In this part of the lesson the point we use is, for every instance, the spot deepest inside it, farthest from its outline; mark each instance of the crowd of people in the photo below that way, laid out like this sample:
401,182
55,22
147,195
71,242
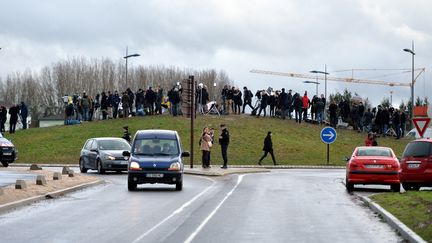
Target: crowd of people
16,113
379,120
112,105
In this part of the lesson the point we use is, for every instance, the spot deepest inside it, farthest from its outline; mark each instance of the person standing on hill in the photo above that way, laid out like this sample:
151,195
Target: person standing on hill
264,103
224,141
3,117
247,99
13,119
268,148
333,114
298,103
24,114
306,104
125,104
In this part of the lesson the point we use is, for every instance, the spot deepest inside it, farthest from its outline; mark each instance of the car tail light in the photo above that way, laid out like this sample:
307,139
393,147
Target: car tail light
353,164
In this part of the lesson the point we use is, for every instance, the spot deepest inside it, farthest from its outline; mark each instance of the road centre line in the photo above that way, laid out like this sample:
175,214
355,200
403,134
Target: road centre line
176,211
195,233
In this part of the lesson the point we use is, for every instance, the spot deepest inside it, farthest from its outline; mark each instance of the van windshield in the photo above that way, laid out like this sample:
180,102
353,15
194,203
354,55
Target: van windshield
156,147
417,149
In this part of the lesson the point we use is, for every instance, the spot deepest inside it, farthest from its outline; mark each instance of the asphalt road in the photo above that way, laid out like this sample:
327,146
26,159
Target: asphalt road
282,206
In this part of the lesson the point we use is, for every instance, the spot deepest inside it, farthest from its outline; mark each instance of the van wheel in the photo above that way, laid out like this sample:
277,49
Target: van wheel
395,187
81,166
132,186
179,186
5,164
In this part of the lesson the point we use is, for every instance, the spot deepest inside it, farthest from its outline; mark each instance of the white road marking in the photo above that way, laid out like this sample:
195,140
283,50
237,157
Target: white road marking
195,233
176,211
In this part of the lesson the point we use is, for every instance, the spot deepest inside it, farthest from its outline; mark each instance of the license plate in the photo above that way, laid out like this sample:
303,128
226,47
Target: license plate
374,166
413,166
154,175
7,153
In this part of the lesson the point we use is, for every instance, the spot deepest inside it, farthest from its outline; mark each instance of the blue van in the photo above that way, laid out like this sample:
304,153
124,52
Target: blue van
155,157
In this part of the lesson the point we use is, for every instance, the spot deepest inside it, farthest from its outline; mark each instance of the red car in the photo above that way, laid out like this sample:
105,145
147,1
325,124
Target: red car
373,165
416,165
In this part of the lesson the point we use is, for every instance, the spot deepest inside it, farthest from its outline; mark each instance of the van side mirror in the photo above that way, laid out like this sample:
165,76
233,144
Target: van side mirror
126,154
185,154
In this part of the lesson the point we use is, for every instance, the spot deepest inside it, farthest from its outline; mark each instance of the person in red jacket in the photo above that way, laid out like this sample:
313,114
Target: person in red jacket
371,139
306,105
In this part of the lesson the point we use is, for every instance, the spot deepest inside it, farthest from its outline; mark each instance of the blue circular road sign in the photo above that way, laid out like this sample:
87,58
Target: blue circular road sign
328,135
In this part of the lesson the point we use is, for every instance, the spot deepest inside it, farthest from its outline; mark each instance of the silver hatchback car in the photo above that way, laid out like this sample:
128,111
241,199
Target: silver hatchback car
103,154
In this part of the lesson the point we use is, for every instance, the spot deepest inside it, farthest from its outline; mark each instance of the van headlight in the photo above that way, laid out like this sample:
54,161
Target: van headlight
134,166
175,166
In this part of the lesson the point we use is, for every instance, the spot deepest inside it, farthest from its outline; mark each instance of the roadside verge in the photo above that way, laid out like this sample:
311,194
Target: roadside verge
395,223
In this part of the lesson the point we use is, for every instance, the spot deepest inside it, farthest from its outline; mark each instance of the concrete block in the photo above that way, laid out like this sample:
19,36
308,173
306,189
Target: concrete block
35,167
65,170
57,176
40,180
71,173
20,184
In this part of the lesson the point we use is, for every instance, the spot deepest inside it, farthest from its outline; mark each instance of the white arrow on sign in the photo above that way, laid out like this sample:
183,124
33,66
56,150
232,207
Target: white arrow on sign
330,135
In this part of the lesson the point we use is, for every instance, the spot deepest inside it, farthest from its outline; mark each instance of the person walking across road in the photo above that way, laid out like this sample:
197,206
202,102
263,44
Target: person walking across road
205,145
126,135
268,148
224,141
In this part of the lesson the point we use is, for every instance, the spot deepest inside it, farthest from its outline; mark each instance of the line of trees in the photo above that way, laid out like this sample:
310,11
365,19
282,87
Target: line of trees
42,91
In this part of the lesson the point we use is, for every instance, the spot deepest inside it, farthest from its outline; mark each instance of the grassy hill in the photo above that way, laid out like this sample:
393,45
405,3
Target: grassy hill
294,144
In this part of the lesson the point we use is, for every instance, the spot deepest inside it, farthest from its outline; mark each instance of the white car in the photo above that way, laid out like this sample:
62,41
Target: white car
413,133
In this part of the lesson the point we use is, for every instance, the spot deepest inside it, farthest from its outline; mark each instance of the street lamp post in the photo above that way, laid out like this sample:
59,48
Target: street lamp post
127,57
412,81
313,82
325,79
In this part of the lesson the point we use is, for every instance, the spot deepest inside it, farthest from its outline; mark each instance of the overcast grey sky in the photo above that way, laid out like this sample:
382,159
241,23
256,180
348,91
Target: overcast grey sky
233,35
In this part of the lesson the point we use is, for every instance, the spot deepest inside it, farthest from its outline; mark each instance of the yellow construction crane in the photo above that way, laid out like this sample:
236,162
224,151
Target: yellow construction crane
348,80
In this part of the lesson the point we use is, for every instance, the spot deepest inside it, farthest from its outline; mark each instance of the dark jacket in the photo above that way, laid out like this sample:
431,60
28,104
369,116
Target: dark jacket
224,137
264,100
268,144
13,112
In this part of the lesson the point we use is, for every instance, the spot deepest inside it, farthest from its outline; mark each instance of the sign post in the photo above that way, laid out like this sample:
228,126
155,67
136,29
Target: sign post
328,136
188,109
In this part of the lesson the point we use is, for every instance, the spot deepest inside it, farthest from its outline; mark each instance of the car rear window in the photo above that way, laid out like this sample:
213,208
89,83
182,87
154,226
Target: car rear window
417,149
374,152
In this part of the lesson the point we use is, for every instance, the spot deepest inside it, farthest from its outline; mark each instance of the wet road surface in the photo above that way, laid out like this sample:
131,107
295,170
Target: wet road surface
281,206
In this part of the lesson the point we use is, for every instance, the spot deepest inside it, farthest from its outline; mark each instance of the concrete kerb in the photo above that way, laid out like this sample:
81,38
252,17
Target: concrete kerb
216,166
13,205
405,232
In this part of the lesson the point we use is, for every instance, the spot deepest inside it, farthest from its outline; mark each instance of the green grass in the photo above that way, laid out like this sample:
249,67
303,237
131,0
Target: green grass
294,144
412,208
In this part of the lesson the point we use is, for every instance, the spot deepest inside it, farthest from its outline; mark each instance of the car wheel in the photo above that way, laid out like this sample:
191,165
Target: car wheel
132,185
99,167
406,186
349,186
179,186
416,188
395,187
5,164
81,166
